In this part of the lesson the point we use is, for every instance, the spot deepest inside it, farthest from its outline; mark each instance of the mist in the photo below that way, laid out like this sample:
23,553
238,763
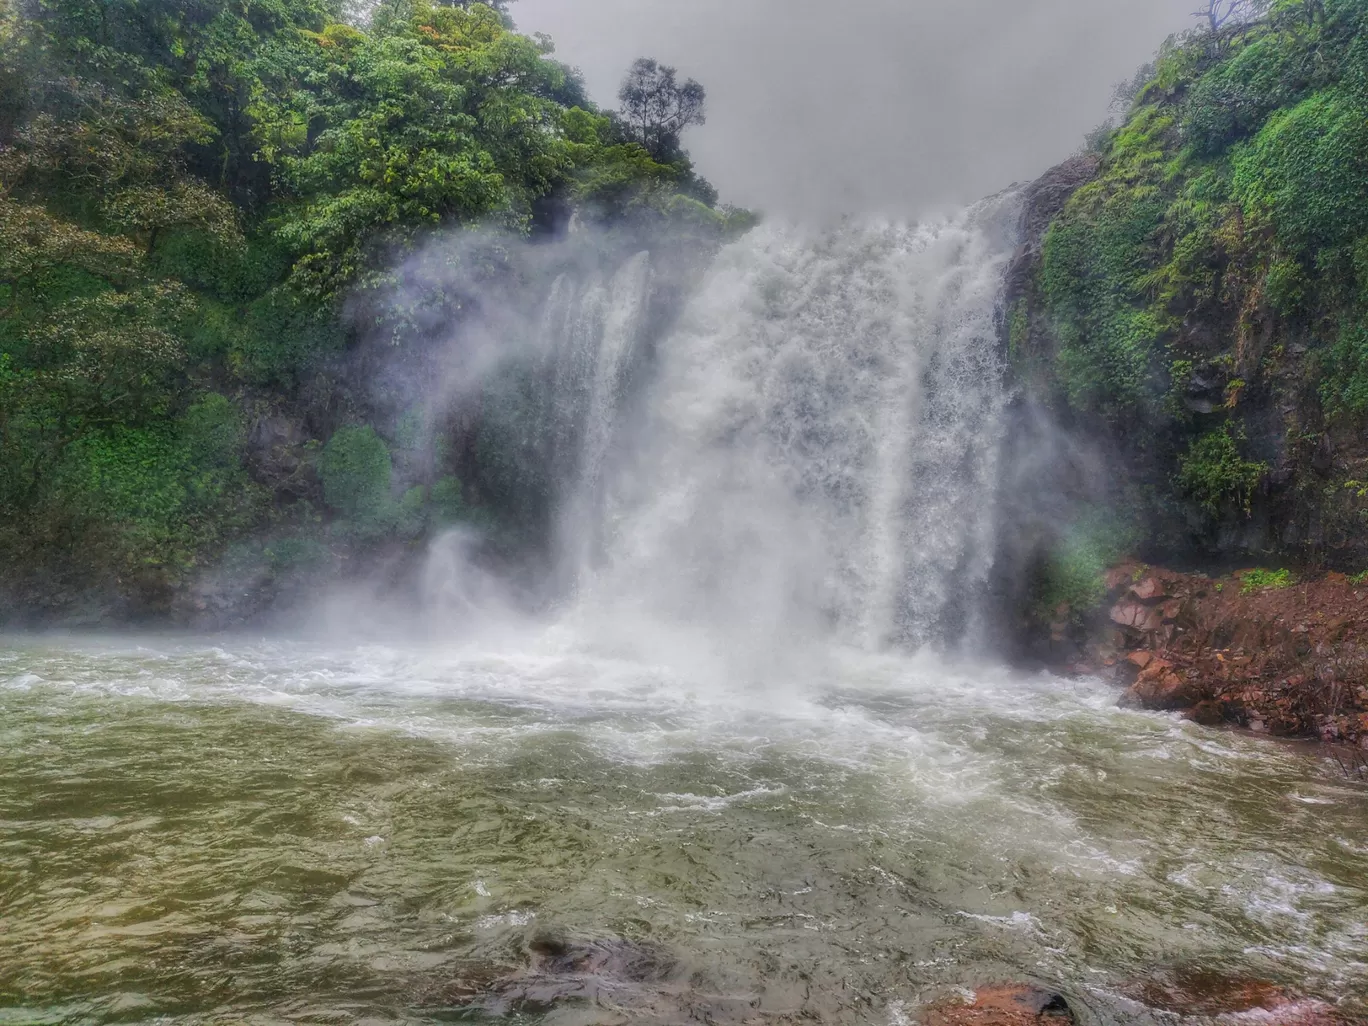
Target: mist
872,106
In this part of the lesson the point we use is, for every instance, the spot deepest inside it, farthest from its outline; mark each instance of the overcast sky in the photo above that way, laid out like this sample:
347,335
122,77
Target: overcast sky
897,106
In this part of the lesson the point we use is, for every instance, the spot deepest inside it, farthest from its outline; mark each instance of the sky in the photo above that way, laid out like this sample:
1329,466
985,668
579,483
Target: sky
871,106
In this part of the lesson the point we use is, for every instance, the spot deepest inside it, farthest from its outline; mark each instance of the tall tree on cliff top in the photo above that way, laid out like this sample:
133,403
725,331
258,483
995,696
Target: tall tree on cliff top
1218,13
656,108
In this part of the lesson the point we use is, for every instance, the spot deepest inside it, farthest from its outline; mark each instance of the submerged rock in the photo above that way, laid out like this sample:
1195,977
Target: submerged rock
610,958
609,971
1203,994
1011,1004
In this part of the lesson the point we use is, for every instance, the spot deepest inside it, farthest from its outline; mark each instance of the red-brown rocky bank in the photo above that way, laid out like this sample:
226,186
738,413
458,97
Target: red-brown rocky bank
1290,660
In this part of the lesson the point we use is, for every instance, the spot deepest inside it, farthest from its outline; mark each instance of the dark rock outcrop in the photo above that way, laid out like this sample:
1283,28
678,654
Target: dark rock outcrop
1042,202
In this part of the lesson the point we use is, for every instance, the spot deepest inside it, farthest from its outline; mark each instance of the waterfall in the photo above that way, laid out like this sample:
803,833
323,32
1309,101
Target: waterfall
802,445
816,447
595,333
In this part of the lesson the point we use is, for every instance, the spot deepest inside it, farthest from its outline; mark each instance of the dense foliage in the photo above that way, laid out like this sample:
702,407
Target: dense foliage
191,194
1203,298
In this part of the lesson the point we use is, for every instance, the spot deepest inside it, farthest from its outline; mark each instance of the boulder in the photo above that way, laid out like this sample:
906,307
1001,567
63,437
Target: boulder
1147,589
1140,659
1208,714
1159,686
1012,1004
1210,995
1137,617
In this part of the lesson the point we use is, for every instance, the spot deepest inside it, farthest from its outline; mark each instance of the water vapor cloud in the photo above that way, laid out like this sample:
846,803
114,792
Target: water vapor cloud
892,106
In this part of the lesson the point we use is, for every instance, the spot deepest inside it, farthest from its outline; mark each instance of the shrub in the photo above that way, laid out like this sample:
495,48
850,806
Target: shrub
448,503
356,471
1018,330
213,432
1344,386
133,475
166,494
1235,98
410,514
228,269
1212,473
289,555
1307,172
281,336
1093,277
1287,286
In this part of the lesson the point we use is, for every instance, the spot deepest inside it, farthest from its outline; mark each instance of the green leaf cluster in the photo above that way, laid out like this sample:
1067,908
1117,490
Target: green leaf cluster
1072,578
1213,473
1259,579
357,470
160,495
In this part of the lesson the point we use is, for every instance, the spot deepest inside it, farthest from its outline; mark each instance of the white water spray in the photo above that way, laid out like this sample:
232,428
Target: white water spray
594,335
817,453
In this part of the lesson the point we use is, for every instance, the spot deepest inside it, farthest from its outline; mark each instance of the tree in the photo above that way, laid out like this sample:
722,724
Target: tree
656,108
1220,13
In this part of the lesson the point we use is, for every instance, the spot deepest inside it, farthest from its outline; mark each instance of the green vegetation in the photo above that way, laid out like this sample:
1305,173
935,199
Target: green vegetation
1264,580
358,477
1212,279
1072,579
1213,474
192,193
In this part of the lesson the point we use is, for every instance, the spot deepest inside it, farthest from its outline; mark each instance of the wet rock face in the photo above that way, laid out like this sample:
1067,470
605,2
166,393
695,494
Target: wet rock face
1042,202
277,456
1012,1004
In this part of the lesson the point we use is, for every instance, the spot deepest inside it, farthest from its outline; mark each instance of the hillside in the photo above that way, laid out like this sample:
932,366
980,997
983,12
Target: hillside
1191,300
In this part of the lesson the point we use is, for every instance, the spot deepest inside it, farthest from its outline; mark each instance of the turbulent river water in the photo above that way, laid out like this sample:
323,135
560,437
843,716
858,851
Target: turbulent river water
729,765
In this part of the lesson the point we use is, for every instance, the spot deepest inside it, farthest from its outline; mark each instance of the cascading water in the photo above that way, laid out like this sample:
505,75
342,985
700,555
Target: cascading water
590,334
818,443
